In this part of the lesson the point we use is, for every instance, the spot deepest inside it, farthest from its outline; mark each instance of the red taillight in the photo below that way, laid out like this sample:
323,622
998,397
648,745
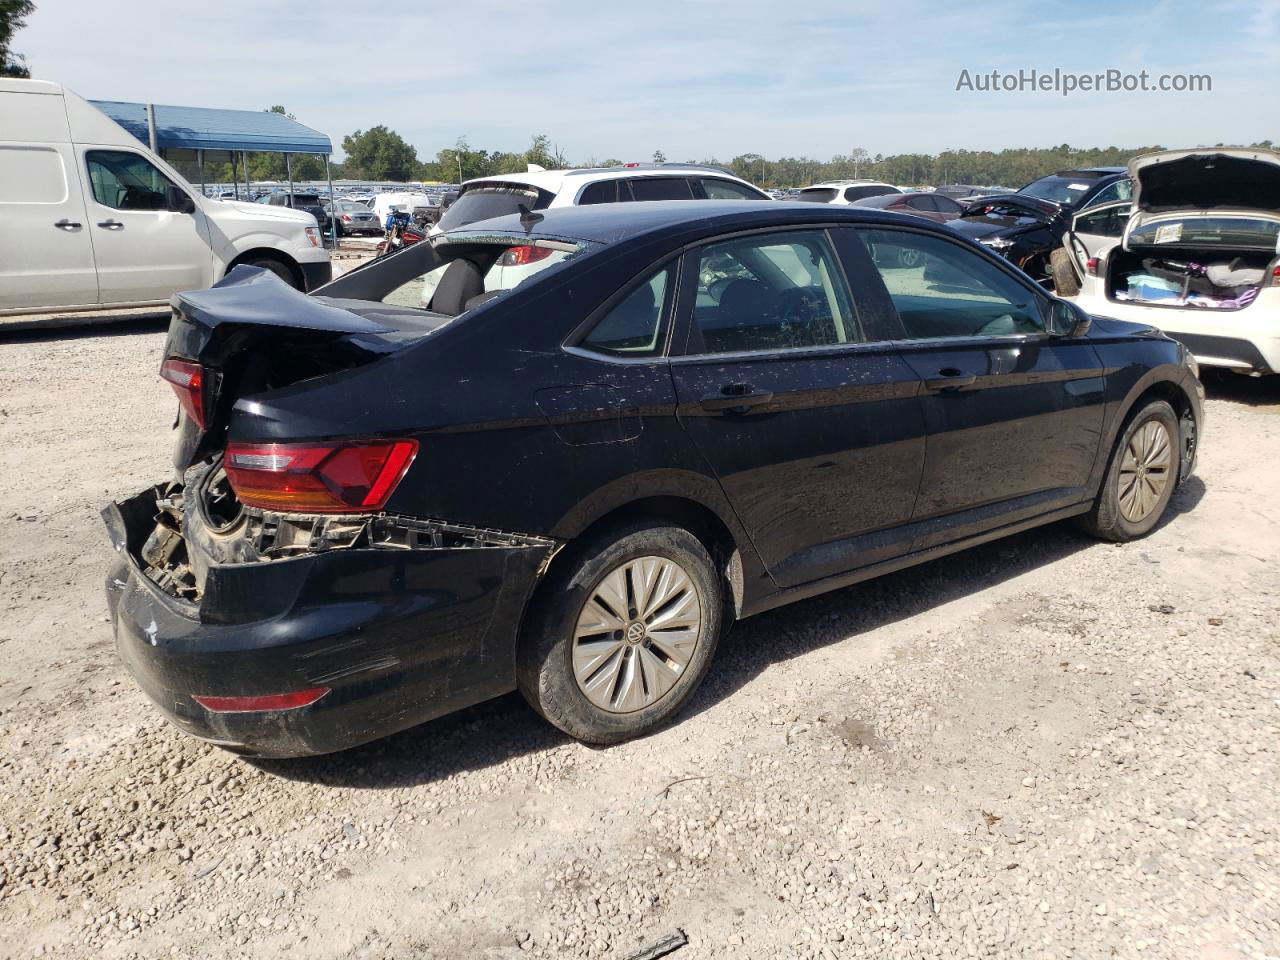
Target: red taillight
273,701
187,380
1091,266
346,217
353,477
519,256
1275,276
632,164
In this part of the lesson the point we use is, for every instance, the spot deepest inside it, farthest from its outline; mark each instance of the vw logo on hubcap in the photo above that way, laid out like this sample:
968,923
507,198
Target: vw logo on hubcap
635,632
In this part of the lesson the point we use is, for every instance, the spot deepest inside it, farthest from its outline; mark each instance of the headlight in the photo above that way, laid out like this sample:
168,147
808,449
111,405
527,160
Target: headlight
997,243
313,234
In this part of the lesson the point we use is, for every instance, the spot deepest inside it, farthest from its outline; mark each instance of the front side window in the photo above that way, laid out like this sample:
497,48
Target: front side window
127,181
728,190
1120,190
774,291
942,289
633,328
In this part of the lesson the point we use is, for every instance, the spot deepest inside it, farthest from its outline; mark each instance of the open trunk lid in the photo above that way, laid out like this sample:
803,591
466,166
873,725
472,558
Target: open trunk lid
252,332
1209,182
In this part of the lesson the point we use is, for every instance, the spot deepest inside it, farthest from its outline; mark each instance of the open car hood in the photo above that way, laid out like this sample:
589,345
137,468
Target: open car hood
1224,178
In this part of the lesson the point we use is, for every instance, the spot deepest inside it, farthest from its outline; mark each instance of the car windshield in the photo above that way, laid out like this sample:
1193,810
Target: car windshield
1066,189
817,194
1245,232
1006,213
491,200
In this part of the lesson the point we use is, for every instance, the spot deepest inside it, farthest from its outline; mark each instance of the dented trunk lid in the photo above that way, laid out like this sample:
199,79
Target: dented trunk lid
253,332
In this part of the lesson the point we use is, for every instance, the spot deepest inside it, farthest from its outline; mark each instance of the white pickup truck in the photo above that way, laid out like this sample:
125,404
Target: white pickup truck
92,219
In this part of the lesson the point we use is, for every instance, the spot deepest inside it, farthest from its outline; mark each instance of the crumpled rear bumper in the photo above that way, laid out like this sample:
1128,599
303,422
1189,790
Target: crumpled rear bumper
399,637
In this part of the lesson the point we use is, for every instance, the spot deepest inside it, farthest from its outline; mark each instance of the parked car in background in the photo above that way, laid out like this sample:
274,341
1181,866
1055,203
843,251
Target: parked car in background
931,206
539,189
571,485
1028,227
403,201
1194,253
353,217
90,218
307,202
842,192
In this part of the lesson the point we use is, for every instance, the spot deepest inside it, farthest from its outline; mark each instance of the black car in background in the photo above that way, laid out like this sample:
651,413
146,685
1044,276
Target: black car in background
310,202
689,414
1028,226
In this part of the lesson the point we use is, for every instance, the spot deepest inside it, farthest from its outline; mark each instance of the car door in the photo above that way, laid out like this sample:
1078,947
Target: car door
46,254
1013,411
144,250
1094,232
809,420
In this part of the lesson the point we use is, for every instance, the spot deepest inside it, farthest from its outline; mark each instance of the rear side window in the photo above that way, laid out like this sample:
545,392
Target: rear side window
661,188
126,181
921,203
633,328
728,190
858,193
31,175
774,291
941,289
818,194
602,191
492,200
1104,223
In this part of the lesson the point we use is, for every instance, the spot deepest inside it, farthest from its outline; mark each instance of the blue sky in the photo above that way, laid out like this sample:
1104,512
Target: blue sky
694,79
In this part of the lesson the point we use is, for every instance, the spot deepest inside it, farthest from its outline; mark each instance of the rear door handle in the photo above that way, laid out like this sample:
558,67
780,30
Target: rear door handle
111,224
65,224
949,379
736,397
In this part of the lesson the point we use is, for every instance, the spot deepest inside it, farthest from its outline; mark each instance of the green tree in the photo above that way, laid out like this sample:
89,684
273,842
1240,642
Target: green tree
13,17
379,154
659,157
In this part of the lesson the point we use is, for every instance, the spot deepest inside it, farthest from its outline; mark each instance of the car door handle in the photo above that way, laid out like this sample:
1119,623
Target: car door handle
111,224
66,224
949,379
736,398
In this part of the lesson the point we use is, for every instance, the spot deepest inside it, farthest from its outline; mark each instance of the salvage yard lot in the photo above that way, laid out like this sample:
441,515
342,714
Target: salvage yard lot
1047,746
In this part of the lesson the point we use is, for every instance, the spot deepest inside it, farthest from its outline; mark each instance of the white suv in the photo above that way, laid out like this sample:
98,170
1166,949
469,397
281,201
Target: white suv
539,188
845,192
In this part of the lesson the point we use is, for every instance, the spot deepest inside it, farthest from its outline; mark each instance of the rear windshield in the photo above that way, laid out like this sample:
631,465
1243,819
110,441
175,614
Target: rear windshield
308,198
1244,232
880,200
818,194
872,190
491,200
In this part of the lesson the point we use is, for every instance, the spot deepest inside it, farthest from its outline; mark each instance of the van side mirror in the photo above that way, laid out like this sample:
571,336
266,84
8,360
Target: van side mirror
179,201
1068,320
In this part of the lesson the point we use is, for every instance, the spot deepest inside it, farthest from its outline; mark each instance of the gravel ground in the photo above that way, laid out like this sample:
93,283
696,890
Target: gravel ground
1046,747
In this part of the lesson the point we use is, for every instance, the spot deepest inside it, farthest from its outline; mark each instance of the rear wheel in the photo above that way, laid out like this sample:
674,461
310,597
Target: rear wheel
623,635
1065,283
281,270
1141,477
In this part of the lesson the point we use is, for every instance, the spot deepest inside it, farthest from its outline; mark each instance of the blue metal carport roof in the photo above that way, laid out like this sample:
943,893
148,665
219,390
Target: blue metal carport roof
207,128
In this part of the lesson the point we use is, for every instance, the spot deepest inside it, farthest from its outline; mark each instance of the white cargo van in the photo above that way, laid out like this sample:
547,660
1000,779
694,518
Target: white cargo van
90,218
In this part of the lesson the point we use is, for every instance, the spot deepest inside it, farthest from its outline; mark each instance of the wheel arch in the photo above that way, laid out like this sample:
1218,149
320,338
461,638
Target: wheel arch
1170,384
270,253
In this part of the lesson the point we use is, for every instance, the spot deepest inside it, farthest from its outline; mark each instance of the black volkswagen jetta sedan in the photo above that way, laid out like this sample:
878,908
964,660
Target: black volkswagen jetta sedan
611,431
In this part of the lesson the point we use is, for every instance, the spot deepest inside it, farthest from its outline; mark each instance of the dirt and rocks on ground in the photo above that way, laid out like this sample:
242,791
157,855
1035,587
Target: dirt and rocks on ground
1046,747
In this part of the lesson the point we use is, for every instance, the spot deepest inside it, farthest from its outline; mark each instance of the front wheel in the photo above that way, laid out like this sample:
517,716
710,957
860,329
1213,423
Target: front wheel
1141,477
281,270
623,634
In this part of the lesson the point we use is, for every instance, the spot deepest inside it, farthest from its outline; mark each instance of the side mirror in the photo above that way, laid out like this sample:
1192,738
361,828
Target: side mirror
179,201
1068,320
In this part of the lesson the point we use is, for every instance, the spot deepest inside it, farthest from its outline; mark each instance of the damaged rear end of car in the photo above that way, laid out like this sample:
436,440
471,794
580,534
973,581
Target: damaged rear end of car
276,596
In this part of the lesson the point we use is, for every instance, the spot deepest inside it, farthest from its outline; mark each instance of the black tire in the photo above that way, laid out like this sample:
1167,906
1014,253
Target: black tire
1065,283
281,270
1106,520
544,665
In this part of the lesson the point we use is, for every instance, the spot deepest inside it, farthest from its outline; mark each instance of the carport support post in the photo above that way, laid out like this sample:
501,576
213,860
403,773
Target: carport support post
288,172
235,177
200,163
333,203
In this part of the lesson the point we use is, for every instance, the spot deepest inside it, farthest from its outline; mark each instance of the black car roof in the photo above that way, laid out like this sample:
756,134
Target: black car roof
610,222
